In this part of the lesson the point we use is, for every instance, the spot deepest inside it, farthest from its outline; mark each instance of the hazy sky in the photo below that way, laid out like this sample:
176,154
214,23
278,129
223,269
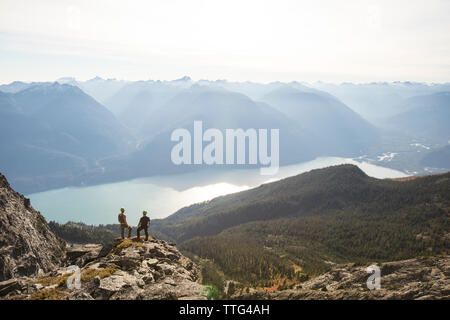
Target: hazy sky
328,40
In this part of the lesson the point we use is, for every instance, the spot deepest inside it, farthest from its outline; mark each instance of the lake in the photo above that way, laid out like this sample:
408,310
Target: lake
163,195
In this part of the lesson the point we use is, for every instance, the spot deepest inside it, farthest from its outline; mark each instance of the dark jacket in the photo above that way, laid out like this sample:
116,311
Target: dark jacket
144,222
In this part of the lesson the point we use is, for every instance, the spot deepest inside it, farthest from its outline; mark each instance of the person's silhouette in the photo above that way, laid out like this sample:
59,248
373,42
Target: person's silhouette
123,223
144,223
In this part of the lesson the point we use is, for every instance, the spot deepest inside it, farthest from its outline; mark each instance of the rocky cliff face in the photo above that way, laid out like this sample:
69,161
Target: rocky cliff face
27,246
421,278
129,269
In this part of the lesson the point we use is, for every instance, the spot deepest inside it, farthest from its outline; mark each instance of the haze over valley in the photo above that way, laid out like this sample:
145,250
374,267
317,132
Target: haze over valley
71,133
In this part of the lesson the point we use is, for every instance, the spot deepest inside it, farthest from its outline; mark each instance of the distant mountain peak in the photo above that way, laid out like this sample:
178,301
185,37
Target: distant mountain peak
47,87
185,78
96,78
63,80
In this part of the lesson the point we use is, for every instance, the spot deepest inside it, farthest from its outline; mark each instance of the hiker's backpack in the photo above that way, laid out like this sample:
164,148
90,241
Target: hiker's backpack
121,218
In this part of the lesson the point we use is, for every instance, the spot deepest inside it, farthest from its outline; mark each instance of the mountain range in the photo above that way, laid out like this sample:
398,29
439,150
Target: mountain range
378,100
50,133
425,116
89,132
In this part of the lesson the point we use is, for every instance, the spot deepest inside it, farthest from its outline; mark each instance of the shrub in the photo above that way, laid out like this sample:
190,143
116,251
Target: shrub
91,273
50,281
48,294
125,244
212,293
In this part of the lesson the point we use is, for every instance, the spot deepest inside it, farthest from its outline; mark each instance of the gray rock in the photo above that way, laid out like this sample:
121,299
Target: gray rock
80,255
9,286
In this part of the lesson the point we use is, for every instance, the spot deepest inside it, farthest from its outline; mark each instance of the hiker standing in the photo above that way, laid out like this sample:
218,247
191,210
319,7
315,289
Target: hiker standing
144,223
123,223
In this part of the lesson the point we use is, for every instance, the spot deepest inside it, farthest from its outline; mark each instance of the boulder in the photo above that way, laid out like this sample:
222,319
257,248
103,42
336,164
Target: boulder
80,255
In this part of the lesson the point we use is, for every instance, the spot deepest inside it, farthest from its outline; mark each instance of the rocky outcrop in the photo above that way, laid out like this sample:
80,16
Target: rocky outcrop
27,246
131,269
35,264
421,278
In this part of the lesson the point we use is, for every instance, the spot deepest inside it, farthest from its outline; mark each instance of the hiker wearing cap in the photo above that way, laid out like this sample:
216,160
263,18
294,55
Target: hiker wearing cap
123,223
144,223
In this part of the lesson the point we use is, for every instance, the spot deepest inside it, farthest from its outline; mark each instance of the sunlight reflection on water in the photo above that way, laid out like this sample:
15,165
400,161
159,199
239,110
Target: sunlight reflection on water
163,195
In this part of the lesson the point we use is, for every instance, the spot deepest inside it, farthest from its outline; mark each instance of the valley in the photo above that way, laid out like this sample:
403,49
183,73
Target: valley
314,220
348,191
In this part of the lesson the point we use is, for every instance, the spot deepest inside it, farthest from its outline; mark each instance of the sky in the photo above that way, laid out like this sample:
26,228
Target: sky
237,40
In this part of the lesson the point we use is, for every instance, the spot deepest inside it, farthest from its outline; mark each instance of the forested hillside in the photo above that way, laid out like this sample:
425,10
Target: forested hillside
300,226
